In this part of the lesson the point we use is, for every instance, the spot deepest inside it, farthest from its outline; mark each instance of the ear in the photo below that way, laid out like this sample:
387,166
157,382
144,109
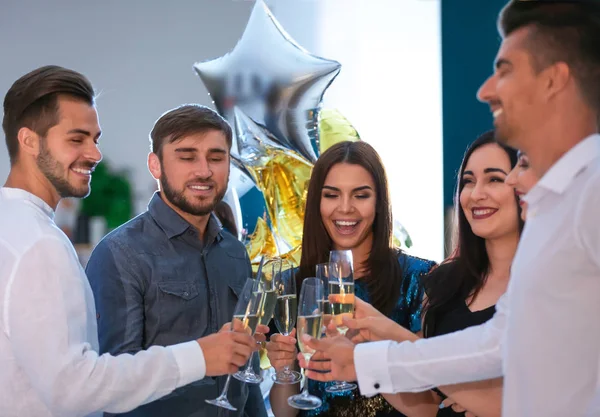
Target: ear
557,78
29,141
154,165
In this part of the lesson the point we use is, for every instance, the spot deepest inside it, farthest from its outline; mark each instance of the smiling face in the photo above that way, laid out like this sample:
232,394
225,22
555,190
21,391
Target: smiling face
193,171
69,152
488,203
522,179
347,205
514,92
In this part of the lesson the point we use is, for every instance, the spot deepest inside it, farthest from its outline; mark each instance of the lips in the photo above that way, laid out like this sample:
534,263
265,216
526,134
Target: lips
83,171
201,188
480,213
346,227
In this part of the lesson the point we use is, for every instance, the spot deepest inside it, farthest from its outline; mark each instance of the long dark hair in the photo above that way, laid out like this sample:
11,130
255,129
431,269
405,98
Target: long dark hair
464,273
384,272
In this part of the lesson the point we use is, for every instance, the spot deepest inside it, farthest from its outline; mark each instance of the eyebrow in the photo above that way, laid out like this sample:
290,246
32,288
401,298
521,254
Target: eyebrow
212,150
361,188
84,132
486,171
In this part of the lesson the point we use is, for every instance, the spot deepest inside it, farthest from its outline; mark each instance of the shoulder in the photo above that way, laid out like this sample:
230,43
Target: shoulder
414,265
24,227
133,234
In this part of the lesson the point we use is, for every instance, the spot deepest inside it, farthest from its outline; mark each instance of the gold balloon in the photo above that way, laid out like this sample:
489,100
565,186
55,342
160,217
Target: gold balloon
293,256
334,128
283,181
261,242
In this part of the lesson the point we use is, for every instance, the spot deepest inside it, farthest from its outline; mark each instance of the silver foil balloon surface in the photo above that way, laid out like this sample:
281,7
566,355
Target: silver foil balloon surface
273,80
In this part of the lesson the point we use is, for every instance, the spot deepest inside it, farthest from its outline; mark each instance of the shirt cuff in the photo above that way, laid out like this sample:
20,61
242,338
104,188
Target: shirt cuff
190,362
372,368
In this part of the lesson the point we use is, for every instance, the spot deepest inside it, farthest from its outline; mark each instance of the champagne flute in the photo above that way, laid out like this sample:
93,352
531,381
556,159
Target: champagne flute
267,299
247,311
310,320
341,299
322,271
285,318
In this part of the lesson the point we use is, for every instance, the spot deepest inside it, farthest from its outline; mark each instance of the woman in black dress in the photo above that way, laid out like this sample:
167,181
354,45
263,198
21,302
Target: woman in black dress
463,291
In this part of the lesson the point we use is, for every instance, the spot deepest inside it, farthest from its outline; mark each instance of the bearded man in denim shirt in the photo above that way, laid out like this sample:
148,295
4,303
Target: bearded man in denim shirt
171,274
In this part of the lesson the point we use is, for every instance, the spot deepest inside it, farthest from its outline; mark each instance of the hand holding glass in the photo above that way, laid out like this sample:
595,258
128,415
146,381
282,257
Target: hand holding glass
247,311
310,319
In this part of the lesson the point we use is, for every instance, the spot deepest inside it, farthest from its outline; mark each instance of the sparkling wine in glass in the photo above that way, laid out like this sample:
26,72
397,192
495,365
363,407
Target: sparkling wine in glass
322,272
286,311
266,298
341,299
247,311
310,322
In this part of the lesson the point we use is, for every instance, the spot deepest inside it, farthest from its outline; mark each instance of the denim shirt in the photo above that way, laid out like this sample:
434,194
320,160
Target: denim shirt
156,283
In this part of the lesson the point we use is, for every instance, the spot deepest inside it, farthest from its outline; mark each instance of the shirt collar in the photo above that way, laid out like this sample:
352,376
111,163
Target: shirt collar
175,225
7,193
565,170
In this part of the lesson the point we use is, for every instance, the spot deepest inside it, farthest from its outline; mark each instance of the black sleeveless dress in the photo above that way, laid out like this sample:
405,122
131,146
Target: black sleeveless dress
458,317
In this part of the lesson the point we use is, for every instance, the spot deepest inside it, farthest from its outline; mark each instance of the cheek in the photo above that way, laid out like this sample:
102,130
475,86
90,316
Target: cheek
463,199
367,210
326,208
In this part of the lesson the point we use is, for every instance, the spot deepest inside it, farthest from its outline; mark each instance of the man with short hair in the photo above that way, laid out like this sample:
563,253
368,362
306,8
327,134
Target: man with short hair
545,336
172,273
48,339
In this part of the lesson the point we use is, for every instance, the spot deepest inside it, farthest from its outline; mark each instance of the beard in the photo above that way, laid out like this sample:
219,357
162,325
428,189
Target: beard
56,173
196,207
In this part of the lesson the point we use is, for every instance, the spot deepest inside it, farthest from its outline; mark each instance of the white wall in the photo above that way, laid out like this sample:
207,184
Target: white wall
390,89
139,55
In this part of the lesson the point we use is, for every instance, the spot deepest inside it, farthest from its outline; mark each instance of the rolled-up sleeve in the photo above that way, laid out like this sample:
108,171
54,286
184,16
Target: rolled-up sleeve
52,345
469,355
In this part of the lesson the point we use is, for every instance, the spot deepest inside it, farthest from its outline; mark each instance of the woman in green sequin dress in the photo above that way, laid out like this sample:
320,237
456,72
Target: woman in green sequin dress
348,207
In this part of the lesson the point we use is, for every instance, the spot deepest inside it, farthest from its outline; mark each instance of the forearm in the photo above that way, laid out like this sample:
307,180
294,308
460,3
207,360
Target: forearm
422,404
468,355
482,398
50,341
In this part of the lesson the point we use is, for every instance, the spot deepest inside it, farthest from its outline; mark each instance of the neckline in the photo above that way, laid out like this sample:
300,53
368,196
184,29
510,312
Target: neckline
477,311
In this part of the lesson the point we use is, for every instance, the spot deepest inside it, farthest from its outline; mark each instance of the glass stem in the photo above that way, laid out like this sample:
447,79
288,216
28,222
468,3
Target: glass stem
249,366
305,389
223,395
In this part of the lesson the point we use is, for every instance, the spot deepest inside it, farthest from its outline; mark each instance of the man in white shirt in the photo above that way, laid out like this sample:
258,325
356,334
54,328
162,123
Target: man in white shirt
48,343
545,336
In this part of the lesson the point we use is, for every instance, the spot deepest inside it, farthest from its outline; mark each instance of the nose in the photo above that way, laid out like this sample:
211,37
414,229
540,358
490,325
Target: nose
486,92
511,178
93,153
479,192
345,204
202,169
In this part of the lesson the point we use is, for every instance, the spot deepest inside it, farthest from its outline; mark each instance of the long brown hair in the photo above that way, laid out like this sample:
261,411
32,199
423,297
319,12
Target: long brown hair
464,274
384,277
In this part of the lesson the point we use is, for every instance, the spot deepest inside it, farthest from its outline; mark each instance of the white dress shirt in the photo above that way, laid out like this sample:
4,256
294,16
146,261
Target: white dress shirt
545,335
49,365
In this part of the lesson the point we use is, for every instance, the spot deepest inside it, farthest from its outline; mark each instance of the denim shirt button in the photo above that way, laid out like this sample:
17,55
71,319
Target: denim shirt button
186,293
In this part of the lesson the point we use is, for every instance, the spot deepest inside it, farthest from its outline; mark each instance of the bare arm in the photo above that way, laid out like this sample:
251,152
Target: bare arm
421,404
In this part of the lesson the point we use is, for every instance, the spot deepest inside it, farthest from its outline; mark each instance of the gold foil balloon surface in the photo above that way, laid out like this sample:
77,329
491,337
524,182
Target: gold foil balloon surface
334,128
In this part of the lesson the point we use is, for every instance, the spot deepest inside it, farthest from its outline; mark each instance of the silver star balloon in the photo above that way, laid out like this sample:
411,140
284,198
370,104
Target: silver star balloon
273,80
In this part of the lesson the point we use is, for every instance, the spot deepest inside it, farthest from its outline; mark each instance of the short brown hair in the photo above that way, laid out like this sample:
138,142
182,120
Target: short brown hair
32,101
561,31
186,120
